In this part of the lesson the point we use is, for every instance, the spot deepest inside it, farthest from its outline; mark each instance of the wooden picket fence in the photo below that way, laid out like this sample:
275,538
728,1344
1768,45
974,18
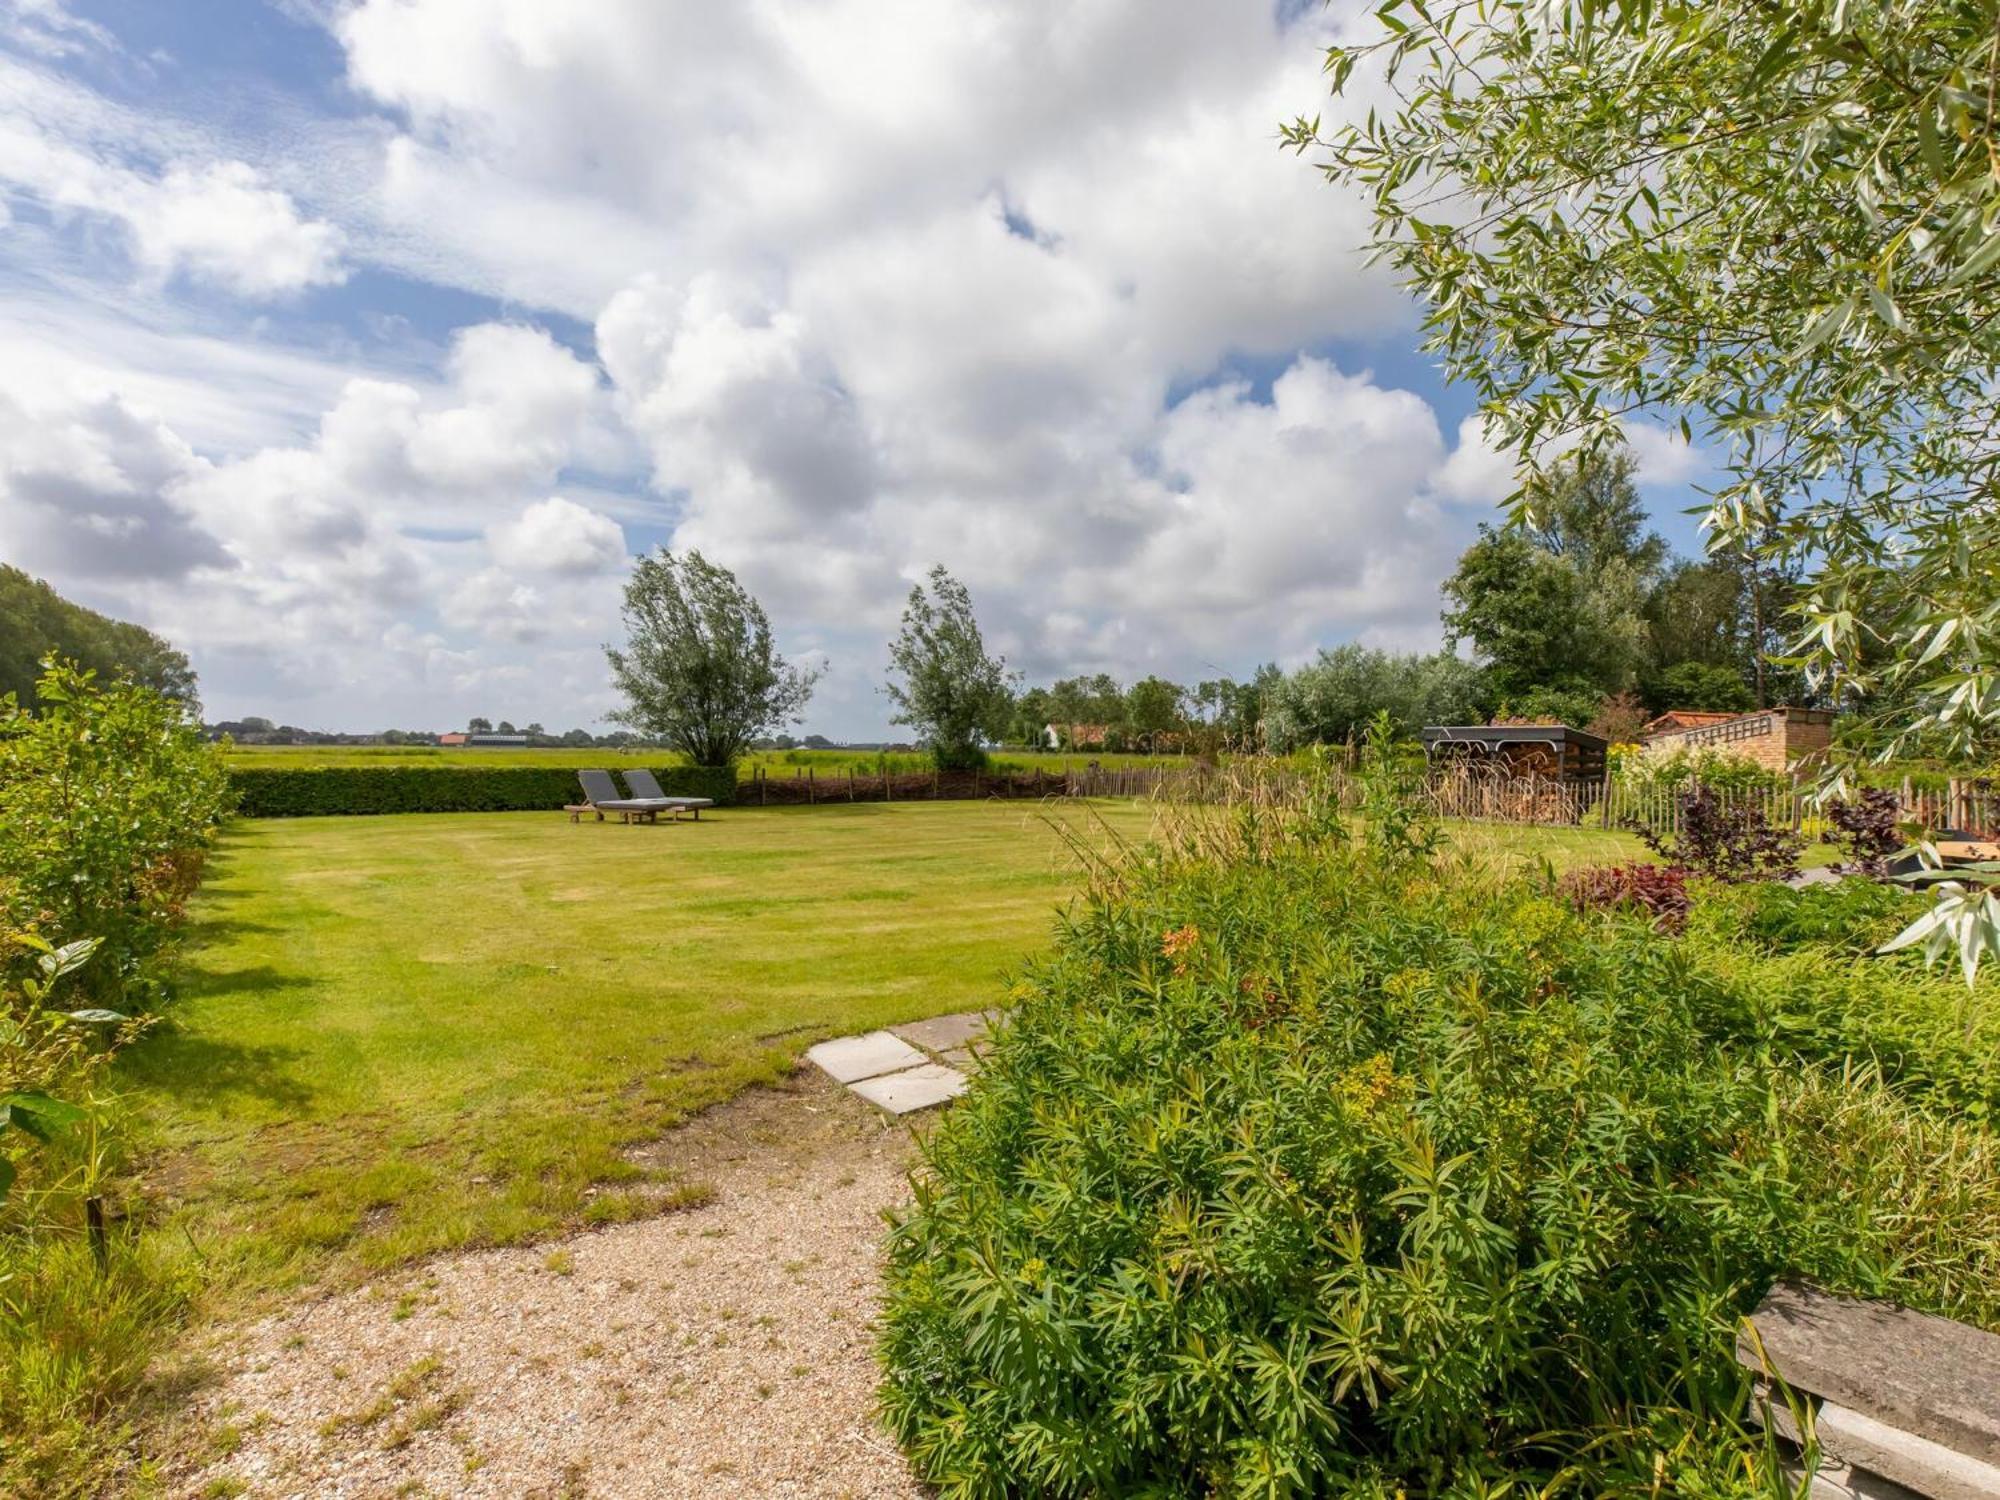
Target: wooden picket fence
1474,795
1965,803
1191,783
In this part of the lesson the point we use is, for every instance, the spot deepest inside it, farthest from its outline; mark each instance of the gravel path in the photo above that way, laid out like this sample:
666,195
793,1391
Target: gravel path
719,1351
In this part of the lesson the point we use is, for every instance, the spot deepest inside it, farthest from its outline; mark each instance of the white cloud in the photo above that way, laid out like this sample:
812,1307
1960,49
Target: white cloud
218,221
558,536
1477,472
1665,458
221,222
873,285
48,27
96,490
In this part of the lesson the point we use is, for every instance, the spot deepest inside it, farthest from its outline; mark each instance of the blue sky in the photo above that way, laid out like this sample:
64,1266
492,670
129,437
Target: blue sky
359,346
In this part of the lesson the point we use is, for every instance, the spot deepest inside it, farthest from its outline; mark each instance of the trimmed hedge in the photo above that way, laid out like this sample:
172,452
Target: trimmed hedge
336,790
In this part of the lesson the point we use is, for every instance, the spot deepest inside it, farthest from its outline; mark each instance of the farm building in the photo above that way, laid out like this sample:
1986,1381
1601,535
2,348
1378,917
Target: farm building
1555,752
1775,738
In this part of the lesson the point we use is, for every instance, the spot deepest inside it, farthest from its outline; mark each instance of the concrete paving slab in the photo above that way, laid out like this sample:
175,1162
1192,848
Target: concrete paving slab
849,1059
962,1058
943,1033
912,1089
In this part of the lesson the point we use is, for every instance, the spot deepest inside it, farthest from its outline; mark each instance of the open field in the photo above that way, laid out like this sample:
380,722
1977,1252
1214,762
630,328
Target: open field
771,762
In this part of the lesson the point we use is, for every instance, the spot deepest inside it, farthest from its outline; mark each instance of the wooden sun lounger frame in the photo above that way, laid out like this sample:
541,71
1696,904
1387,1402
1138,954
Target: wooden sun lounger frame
576,810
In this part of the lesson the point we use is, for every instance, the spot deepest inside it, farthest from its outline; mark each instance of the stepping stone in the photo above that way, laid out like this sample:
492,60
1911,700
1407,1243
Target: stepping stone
962,1058
943,1033
912,1089
849,1059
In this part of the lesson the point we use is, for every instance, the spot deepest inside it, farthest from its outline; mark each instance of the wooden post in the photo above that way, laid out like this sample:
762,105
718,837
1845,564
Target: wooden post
810,795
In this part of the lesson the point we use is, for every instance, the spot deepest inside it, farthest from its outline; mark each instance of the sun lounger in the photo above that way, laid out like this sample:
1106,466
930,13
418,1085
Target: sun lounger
600,794
646,786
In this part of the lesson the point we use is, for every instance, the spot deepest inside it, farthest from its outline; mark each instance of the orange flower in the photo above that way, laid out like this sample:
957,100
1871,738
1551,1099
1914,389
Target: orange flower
1178,943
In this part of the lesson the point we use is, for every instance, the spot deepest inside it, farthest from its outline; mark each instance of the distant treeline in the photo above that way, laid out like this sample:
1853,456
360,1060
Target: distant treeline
36,621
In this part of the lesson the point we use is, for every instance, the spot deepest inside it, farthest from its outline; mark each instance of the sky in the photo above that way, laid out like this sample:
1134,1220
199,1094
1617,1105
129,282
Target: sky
357,346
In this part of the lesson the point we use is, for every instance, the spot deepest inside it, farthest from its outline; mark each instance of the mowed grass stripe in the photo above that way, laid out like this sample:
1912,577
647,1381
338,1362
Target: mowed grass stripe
398,1035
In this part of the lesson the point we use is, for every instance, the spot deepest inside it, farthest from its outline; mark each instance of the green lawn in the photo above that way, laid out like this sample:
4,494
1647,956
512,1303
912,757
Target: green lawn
401,1034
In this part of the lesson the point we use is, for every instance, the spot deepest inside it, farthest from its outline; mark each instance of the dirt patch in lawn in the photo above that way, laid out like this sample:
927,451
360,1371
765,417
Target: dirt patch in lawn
723,1350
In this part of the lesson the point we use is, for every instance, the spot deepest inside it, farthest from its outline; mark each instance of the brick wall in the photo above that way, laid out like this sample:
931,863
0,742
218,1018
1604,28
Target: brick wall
1775,738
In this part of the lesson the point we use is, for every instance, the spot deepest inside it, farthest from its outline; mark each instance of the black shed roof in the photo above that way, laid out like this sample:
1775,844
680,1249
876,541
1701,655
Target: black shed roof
1492,736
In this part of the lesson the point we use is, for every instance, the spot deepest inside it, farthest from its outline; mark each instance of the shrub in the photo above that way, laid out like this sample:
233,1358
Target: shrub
1310,1172
1792,972
1851,917
1725,839
1660,891
108,802
339,790
1867,829
1714,769
47,1052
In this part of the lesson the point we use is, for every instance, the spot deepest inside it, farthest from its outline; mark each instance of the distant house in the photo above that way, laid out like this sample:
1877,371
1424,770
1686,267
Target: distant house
453,738
498,741
1075,736
1775,738
1674,720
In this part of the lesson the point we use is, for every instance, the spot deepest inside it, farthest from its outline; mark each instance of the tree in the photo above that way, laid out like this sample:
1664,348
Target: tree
1557,603
1587,509
1153,708
36,622
1527,613
505,727
1713,686
478,726
1776,226
1334,698
941,680
699,670
1033,712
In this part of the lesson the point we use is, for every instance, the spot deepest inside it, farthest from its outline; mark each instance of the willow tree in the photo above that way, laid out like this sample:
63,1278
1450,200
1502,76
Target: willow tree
942,681
699,670
1772,225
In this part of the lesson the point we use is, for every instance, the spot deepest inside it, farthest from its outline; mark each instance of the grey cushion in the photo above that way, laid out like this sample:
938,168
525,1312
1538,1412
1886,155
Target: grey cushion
645,784
601,791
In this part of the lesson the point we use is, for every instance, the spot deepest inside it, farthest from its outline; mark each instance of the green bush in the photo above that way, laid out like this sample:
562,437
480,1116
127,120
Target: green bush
313,792
1293,1173
109,800
1853,917
1929,1036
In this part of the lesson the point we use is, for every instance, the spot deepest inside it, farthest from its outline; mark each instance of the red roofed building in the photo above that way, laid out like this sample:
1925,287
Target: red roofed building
1776,738
1674,720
